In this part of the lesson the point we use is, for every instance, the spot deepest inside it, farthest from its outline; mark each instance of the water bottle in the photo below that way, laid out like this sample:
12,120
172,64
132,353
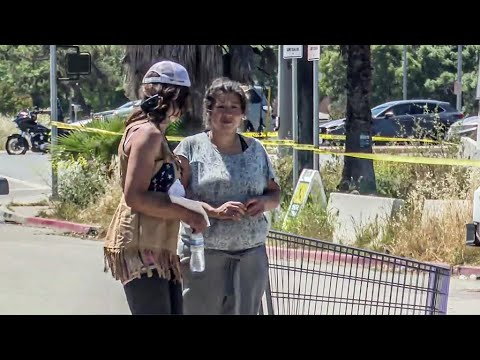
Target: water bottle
197,255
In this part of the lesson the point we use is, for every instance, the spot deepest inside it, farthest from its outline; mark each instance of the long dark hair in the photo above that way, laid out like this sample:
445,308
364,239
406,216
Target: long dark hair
169,96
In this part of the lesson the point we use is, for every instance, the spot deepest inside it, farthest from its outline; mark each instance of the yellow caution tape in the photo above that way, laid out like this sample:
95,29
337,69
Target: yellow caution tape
61,125
343,137
327,151
414,159
273,134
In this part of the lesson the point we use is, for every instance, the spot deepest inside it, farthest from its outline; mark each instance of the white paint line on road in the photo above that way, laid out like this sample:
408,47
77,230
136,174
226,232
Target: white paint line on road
26,189
26,183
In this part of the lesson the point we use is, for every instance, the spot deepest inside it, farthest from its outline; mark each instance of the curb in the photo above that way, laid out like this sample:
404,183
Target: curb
332,257
466,270
288,254
10,217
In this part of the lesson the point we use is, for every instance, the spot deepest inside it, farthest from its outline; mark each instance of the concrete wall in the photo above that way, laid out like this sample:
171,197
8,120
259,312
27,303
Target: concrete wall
468,149
354,212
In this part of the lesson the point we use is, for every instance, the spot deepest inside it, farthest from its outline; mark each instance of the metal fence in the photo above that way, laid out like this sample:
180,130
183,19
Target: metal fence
313,277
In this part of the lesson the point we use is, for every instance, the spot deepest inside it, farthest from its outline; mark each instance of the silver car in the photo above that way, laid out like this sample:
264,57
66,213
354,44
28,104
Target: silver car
466,127
122,111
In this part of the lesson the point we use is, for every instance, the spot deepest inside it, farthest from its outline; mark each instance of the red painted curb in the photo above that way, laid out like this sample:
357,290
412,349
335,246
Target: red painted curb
329,256
60,225
466,270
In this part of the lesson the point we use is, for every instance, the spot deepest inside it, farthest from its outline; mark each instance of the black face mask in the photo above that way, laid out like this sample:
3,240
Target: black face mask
149,105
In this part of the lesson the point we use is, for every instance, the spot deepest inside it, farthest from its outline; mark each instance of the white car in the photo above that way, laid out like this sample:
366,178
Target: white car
124,110
466,127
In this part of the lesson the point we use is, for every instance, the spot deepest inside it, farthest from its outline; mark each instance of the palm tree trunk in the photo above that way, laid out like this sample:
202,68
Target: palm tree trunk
358,173
203,63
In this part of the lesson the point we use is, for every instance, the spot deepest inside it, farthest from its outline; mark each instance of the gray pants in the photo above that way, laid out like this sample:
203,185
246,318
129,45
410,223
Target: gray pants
233,283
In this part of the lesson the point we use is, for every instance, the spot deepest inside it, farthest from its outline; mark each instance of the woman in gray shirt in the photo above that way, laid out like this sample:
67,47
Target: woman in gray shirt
233,177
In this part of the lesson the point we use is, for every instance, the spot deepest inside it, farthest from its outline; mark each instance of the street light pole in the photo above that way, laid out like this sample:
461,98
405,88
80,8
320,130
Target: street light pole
477,97
459,78
295,120
315,115
53,113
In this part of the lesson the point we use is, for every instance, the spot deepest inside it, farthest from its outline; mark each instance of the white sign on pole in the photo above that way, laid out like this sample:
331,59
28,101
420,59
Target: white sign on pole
292,51
309,182
457,88
313,52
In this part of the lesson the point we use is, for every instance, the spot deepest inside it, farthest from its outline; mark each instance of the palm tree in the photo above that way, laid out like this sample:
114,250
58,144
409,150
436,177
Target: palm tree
203,62
358,173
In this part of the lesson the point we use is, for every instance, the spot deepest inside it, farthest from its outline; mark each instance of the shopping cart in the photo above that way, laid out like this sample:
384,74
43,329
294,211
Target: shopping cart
313,277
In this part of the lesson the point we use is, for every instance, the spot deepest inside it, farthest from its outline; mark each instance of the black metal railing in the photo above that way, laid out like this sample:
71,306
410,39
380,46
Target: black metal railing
313,277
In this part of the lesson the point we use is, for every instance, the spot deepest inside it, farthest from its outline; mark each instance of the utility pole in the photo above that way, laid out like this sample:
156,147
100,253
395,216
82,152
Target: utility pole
53,113
295,119
459,78
405,63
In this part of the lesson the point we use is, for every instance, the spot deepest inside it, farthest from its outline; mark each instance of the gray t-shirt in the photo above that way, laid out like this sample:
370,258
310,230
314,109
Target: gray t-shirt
218,178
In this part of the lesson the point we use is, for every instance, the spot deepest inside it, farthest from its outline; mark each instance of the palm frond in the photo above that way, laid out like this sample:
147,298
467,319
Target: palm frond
91,145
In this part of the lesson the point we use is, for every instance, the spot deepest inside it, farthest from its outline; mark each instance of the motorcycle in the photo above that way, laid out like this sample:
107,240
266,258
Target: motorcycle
33,136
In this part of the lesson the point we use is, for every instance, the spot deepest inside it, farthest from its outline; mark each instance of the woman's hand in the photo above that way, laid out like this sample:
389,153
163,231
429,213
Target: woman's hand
195,220
231,210
256,206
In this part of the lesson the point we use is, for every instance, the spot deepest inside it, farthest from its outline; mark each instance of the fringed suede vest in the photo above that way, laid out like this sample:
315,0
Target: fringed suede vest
137,243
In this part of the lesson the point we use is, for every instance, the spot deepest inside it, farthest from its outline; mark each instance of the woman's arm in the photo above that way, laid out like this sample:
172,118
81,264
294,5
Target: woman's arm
271,195
268,201
231,210
145,144
185,170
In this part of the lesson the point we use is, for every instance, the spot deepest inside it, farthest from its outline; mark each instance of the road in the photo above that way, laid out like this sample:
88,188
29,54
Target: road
46,273
29,177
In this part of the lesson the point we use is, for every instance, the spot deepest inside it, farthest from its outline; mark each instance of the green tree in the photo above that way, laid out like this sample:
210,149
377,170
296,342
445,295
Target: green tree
24,77
387,73
25,74
431,72
334,79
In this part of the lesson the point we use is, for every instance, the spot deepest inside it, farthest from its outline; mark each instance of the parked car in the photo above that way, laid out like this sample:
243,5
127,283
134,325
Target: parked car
466,127
405,118
124,110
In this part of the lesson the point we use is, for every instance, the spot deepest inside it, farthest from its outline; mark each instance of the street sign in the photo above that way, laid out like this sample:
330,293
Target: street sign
310,182
292,51
313,52
457,87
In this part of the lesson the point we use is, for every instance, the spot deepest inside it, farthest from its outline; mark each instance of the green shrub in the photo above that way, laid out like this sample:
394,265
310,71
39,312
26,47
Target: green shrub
81,182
